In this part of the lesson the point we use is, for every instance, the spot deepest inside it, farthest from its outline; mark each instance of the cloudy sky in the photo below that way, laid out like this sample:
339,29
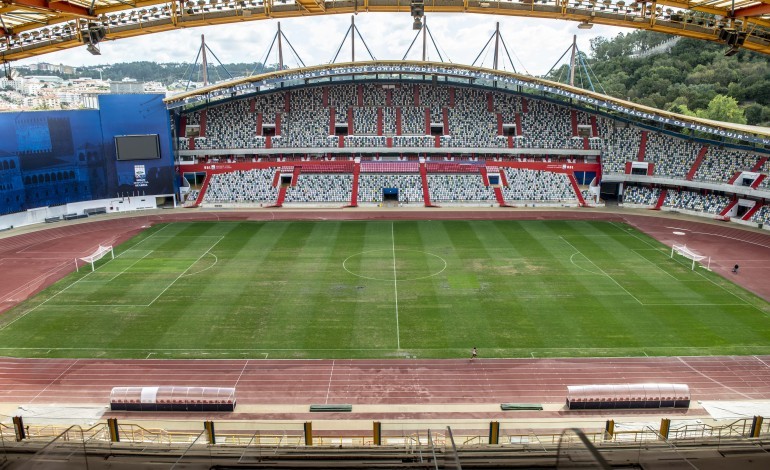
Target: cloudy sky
535,44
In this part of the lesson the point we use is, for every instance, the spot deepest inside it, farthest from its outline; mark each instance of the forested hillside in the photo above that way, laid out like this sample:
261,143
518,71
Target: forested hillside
694,77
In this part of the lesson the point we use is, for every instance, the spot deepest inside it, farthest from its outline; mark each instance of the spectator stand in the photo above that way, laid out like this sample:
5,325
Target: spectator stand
321,184
390,184
457,184
640,196
538,188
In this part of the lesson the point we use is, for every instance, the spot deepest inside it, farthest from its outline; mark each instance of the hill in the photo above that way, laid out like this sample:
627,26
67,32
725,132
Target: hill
694,77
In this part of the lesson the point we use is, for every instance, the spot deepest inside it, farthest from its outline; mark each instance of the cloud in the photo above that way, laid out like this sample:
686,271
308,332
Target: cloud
534,44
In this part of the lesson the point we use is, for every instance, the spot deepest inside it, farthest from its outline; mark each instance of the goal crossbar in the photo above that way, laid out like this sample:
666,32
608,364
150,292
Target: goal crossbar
691,255
100,253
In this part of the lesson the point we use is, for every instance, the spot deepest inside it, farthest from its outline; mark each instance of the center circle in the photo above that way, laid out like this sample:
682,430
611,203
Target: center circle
394,265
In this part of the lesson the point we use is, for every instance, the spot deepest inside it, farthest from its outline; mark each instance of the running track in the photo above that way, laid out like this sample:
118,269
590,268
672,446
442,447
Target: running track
34,260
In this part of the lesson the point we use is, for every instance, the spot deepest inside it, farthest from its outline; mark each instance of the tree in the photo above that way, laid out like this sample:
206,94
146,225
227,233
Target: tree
723,108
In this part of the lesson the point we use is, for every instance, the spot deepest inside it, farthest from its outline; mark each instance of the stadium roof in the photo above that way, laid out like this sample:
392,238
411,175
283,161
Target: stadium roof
34,27
506,81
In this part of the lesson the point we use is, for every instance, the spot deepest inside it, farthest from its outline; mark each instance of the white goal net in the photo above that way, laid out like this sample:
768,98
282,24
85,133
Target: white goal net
100,253
682,250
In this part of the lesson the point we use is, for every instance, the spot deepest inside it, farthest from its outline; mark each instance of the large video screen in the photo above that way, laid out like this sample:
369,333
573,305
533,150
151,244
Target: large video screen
137,147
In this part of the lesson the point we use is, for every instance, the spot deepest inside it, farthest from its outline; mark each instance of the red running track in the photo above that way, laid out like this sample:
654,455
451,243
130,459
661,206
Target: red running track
257,381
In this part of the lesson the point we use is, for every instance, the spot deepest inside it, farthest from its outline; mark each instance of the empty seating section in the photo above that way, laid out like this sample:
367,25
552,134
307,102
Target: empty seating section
230,126
452,167
402,95
620,145
316,187
374,95
193,118
412,121
305,129
547,125
435,98
762,216
389,121
390,167
365,121
643,195
470,124
765,169
693,201
413,141
507,106
458,187
341,97
672,157
307,99
721,164
269,105
366,141
242,186
371,185
534,185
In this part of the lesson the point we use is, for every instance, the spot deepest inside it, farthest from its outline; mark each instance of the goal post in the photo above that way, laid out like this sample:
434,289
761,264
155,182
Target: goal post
100,253
682,250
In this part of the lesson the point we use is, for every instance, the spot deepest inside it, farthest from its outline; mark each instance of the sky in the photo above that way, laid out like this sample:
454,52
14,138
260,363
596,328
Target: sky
535,44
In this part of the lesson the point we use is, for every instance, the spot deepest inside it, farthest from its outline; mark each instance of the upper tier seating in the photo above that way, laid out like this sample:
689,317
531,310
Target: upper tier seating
620,145
365,121
672,157
720,164
374,95
547,125
470,124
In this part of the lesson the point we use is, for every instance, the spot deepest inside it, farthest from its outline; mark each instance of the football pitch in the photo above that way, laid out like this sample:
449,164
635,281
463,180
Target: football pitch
381,289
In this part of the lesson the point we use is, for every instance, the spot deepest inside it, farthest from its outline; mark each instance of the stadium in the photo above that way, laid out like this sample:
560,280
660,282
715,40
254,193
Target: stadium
291,269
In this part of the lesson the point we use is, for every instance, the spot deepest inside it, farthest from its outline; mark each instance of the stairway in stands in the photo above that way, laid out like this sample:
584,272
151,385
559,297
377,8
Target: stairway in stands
281,196
576,188
661,200
354,191
697,163
748,215
642,147
425,189
202,192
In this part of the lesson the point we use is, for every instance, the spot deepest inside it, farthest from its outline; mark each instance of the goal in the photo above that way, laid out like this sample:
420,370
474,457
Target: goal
100,253
691,255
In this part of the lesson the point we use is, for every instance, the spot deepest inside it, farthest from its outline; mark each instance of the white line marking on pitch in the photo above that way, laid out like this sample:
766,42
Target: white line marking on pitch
183,272
395,284
241,374
55,380
329,388
602,271
711,379
745,302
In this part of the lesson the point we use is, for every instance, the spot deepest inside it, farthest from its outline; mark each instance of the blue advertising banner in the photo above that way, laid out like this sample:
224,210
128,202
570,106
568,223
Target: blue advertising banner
51,158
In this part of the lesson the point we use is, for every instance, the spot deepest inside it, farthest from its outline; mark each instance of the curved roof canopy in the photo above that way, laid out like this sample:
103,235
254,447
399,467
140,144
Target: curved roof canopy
34,27
460,74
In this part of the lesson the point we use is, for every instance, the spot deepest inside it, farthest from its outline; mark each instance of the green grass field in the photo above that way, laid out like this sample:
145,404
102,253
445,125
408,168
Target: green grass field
378,289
